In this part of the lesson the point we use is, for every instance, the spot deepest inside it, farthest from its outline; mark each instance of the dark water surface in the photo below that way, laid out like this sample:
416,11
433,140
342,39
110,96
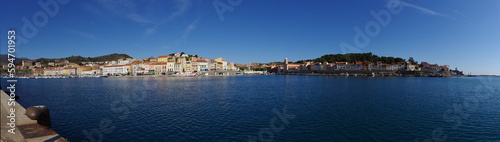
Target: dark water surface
279,108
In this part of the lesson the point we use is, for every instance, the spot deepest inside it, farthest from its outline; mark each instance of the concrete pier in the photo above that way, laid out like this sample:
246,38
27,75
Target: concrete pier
24,128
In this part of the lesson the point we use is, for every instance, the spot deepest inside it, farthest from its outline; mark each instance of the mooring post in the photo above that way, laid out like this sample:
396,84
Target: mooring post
41,115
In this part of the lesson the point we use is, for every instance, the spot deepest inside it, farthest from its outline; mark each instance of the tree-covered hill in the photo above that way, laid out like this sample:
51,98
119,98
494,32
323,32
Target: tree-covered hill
355,57
79,59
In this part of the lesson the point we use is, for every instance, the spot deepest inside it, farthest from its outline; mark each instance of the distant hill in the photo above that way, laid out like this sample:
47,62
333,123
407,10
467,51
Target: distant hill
79,59
351,57
4,57
355,57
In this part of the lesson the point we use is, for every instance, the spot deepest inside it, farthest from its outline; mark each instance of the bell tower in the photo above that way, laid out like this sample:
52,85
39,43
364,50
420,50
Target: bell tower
285,66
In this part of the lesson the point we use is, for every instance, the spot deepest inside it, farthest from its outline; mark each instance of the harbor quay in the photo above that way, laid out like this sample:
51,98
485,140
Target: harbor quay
18,127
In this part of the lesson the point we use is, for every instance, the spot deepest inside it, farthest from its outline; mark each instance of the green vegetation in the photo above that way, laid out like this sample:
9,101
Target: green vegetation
255,69
259,69
354,57
412,61
80,59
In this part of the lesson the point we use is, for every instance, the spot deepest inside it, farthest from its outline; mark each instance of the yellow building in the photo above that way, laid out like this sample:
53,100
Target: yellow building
66,71
220,59
195,66
163,58
158,67
70,71
187,66
80,69
171,59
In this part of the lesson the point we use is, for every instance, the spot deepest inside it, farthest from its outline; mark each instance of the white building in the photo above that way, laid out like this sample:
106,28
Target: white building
203,65
170,66
138,68
116,70
92,72
125,61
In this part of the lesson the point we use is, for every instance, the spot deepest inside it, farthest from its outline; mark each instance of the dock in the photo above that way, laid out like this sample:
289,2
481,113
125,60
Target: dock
25,128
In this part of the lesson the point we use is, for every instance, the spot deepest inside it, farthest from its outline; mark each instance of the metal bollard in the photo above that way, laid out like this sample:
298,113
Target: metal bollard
41,115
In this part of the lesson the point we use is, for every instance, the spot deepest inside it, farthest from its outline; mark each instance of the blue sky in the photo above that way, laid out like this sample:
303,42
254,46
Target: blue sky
461,33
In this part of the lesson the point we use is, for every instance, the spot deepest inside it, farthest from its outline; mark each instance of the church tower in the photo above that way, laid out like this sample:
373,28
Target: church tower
285,66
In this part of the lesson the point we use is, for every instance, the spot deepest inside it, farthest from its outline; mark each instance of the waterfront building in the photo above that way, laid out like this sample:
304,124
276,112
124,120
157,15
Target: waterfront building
302,67
294,68
138,67
164,66
92,72
79,69
195,66
53,71
116,70
177,67
400,65
410,67
434,67
367,65
38,71
210,65
341,65
70,71
170,67
221,64
232,67
187,66
158,67
149,68
358,66
425,65
350,66
87,72
330,67
203,65
316,67
287,66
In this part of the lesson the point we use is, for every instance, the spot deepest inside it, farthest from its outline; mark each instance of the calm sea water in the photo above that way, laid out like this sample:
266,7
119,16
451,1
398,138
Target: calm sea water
279,108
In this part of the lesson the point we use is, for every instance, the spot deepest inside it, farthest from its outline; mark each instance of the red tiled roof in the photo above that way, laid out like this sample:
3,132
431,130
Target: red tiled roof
115,66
